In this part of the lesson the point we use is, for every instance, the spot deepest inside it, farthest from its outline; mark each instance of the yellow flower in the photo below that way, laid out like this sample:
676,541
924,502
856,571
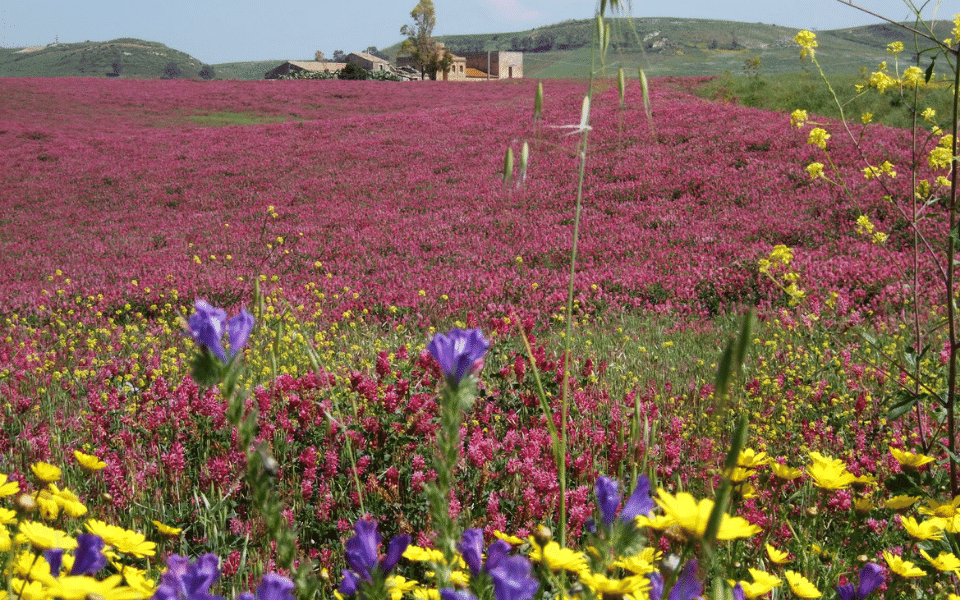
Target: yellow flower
801,586
123,540
945,561
785,472
636,586
137,579
900,502
798,118
763,583
79,587
914,76
829,474
895,47
45,472
866,117
397,586
510,539
8,488
807,41
818,137
739,474
815,170
947,510
863,505
88,462
7,516
901,567
777,557
931,529
42,537
928,114
556,558
67,501
166,529
692,517
656,522
640,564
418,554
750,459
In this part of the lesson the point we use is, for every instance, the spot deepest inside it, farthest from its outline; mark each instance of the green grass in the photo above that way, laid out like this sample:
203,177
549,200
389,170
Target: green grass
807,91
246,70
137,59
225,117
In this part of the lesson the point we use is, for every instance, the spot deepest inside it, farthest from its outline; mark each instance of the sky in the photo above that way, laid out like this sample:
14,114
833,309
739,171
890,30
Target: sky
219,31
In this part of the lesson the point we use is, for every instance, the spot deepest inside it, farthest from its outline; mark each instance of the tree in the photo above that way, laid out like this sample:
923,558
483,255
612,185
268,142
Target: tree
353,71
339,56
420,44
319,56
372,50
207,72
172,71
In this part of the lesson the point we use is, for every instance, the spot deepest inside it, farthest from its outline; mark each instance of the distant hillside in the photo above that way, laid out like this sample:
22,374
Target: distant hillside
124,57
661,46
682,47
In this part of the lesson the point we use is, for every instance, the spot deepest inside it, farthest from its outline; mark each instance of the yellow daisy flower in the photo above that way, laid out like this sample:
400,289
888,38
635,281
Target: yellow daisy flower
801,586
762,584
88,462
636,586
45,472
903,568
8,488
43,538
909,459
510,539
750,459
123,540
79,587
931,529
556,558
166,529
829,474
692,517
777,557
900,502
785,472
945,561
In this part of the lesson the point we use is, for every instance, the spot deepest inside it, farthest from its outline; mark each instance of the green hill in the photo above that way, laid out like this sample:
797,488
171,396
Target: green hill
661,46
683,47
123,57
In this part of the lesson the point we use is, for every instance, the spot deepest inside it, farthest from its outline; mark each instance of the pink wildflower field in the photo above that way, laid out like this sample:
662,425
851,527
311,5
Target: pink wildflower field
382,209
393,190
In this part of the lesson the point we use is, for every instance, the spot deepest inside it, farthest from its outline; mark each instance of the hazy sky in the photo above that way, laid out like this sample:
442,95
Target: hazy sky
217,31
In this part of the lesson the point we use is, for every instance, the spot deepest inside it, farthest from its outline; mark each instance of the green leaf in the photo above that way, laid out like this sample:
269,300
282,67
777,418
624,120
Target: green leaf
929,72
905,400
205,368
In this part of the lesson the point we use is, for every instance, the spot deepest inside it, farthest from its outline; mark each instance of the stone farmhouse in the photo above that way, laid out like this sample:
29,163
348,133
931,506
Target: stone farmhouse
472,66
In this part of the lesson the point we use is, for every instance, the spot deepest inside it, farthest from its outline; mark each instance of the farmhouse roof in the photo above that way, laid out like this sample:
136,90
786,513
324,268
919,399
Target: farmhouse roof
471,72
370,57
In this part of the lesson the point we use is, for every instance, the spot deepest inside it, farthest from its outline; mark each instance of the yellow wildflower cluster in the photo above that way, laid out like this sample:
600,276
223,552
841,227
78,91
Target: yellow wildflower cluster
818,137
880,79
815,170
798,118
866,227
895,47
25,541
807,41
871,172
941,156
782,255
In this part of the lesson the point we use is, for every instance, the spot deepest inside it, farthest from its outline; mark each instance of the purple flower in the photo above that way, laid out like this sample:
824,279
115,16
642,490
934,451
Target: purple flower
871,576
184,580
207,326
363,557
512,580
275,587
54,558
686,588
639,502
471,549
459,353
451,594
88,558
608,497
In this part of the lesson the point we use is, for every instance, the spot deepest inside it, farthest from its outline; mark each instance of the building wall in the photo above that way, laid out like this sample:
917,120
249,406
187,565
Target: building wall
368,62
501,65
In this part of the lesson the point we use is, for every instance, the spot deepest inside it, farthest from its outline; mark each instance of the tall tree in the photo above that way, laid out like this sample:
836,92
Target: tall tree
319,56
420,44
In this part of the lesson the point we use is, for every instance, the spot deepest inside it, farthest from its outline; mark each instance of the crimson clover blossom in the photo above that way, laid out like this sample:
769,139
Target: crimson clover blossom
207,326
459,353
